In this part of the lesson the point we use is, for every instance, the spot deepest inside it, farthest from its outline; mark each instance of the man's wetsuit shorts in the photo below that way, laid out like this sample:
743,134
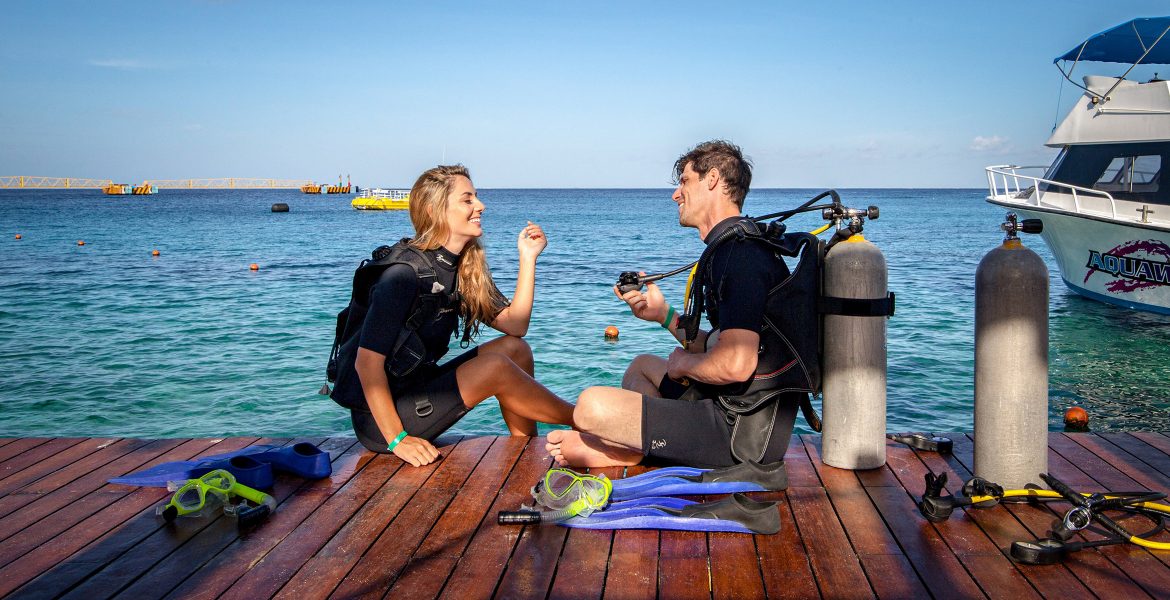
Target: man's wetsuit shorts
439,386
697,433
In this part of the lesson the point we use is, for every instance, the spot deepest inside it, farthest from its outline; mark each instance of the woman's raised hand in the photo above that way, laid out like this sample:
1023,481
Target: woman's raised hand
416,451
531,241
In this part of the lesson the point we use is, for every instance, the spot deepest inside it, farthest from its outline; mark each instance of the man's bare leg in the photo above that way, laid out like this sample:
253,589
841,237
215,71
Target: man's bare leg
610,424
644,374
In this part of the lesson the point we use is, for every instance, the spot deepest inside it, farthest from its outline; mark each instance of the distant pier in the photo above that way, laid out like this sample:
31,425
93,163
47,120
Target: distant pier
221,183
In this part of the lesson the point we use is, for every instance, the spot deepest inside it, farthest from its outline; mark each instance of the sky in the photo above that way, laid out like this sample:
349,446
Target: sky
543,94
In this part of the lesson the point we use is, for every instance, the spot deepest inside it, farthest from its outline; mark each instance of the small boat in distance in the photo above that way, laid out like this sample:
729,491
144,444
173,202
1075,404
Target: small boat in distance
382,199
116,189
339,189
145,189
311,188
1105,200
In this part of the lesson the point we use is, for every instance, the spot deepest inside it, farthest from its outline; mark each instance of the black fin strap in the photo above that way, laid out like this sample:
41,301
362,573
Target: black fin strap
857,307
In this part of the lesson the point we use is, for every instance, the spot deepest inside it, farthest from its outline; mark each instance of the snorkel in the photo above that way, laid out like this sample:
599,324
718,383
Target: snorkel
198,497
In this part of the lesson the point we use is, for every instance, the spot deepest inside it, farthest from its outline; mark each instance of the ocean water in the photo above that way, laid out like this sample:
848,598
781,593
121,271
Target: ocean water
104,339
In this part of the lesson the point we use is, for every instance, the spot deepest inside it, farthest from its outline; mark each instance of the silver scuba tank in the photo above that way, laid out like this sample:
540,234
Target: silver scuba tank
854,356
1011,361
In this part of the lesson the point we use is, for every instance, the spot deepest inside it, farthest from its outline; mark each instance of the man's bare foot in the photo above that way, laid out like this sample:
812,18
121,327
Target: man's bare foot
576,449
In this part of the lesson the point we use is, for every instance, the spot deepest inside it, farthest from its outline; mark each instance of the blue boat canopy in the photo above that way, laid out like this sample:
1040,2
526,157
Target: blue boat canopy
1127,43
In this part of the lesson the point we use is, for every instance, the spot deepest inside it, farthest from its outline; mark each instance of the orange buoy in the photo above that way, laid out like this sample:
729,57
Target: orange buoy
1076,418
154,252
611,333
80,242
18,236
254,267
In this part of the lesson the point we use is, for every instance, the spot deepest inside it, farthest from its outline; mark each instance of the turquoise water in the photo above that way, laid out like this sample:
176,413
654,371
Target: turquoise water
104,339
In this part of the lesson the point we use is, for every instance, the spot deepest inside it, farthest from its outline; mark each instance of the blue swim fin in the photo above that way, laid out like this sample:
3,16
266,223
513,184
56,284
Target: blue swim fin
735,514
682,481
303,460
182,470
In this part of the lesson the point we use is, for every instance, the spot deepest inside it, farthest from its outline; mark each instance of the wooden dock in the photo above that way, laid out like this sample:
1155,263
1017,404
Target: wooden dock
379,529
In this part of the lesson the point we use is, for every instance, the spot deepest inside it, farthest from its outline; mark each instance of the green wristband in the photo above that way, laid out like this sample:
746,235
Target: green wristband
669,318
398,439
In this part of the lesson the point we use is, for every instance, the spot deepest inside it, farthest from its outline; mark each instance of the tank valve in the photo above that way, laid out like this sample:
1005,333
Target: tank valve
1012,225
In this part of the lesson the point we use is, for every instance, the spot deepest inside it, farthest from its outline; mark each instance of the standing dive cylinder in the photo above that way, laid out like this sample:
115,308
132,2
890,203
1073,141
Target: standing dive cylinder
855,302
1011,361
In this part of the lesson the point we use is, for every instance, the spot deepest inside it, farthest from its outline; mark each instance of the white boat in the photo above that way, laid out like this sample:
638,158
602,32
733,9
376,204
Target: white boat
382,199
1105,200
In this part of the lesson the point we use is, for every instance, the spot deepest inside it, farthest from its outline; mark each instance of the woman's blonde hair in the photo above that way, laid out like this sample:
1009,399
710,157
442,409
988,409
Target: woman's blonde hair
480,301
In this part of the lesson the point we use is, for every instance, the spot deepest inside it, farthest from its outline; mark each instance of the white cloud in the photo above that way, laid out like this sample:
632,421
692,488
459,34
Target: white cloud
991,143
124,64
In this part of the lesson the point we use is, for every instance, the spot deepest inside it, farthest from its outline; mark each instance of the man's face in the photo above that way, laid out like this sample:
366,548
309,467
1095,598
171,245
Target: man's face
692,197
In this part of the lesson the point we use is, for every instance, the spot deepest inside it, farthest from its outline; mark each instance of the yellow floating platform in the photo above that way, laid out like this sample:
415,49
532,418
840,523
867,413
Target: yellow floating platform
380,199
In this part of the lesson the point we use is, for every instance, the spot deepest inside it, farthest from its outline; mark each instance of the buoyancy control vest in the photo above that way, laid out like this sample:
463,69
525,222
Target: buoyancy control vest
409,351
789,359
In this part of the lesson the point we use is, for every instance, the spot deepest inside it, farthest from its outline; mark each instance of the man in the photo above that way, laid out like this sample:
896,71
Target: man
671,410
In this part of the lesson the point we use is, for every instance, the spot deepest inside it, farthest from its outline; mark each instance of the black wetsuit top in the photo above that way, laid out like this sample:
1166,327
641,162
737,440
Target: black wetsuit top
390,302
742,272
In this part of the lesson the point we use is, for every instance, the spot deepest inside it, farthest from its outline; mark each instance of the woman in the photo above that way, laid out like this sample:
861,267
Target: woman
401,414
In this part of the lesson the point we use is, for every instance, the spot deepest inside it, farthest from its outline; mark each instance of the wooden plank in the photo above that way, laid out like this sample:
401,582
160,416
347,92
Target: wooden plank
442,548
87,546
1002,528
1146,475
837,568
633,561
784,559
220,534
148,551
1104,474
18,446
682,565
1145,452
51,464
582,568
941,572
1157,440
6,441
889,572
1091,568
233,562
49,494
275,569
33,456
373,547
478,572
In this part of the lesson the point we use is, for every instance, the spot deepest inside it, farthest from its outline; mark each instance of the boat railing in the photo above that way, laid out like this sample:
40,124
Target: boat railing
388,194
1006,181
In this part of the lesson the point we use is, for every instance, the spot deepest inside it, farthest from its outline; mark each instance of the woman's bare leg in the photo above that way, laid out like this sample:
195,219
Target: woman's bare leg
492,374
519,352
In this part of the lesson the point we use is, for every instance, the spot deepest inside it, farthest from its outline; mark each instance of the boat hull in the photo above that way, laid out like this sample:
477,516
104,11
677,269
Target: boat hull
381,203
1125,264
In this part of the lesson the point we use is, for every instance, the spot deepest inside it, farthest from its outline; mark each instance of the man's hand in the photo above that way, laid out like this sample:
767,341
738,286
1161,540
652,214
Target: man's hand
647,305
675,364
531,241
416,451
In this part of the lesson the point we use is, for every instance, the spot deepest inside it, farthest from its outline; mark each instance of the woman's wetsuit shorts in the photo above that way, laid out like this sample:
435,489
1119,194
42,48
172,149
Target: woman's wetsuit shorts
439,386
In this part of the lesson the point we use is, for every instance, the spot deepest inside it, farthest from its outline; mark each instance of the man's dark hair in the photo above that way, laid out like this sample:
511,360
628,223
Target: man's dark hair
725,156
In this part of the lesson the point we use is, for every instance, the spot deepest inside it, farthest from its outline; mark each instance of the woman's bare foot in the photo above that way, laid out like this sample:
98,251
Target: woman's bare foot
576,449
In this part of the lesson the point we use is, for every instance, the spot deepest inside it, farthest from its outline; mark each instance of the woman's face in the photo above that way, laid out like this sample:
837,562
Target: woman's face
464,211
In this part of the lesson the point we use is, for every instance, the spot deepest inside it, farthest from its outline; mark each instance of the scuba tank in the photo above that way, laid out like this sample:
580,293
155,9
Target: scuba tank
1011,361
854,352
